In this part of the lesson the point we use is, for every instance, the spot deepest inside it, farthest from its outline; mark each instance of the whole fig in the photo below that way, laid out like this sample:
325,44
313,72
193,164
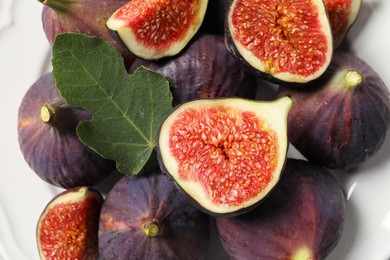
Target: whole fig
49,142
82,16
146,217
205,69
302,218
342,119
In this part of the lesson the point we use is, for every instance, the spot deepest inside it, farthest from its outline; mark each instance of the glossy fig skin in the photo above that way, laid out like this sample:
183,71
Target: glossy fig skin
303,215
337,125
138,200
205,69
52,149
83,16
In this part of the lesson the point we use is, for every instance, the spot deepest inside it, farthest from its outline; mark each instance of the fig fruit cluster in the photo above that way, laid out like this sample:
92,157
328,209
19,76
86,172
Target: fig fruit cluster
222,152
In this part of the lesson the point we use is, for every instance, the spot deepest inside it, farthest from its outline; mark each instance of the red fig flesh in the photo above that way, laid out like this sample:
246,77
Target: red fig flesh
153,29
288,41
68,227
226,154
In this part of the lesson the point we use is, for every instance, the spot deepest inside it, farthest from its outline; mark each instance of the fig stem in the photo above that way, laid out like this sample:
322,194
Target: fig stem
47,113
59,5
152,228
352,79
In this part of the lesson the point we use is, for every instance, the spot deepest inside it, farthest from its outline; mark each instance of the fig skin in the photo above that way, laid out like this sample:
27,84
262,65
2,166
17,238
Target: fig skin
338,122
302,218
68,226
52,149
135,206
83,16
205,69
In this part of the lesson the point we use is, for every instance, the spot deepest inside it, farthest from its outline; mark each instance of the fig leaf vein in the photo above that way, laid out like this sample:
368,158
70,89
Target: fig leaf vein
127,110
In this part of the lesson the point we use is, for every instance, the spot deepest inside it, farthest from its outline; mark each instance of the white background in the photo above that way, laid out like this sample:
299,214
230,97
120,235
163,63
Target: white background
25,55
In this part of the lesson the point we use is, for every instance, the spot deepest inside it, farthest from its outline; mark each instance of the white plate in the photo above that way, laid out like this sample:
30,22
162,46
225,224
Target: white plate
25,55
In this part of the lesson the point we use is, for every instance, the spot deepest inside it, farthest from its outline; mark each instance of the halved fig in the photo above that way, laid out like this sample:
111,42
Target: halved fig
342,119
205,69
281,41
225,154
152,29
48,140
68,226
342,15
301,219
146,217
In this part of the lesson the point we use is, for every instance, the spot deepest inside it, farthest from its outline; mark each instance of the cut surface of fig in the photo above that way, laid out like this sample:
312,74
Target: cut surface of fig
146,217
225,154
287,41
301,219
342,15
68,227
152,29
343,118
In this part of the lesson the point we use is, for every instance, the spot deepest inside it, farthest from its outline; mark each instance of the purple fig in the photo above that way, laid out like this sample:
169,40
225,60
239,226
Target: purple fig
49,142
146,217
83,16
342,119
301,219
203,70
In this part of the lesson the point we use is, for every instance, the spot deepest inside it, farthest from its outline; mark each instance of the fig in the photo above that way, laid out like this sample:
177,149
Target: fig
48,140
225,154
68,226
302,218
280,41
145,216
203,70
152,29
342,119
83,16
342,15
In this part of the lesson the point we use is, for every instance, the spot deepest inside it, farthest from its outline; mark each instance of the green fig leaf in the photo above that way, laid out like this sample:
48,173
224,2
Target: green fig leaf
127,110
